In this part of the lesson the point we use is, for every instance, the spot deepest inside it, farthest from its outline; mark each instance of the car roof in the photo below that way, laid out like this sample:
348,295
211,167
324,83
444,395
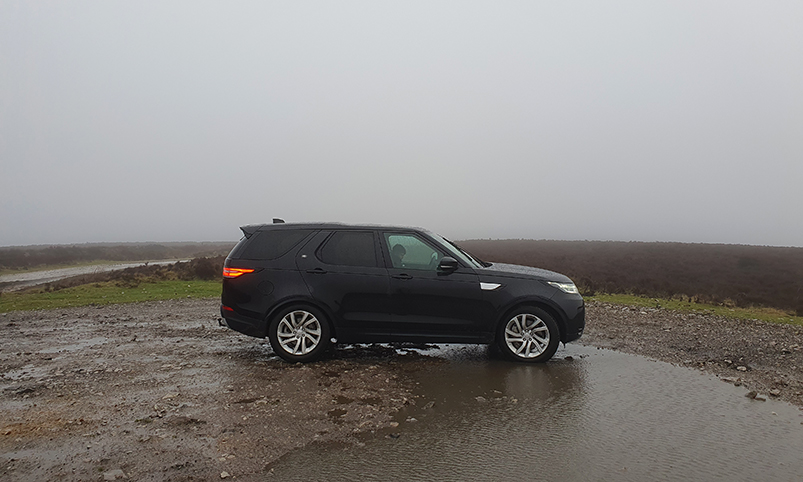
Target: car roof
252,228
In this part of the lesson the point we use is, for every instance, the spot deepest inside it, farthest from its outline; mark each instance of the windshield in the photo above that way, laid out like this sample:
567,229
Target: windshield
459,252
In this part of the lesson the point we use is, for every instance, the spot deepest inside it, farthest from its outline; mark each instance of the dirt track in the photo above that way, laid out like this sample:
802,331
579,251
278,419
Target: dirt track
158,391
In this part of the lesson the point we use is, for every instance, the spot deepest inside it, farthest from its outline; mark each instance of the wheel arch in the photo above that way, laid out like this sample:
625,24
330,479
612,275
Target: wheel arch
276,308
552,311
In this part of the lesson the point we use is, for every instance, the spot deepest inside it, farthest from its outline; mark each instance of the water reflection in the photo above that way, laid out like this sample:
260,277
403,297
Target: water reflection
601,416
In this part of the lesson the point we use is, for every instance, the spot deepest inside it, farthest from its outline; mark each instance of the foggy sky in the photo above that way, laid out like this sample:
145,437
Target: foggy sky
181,121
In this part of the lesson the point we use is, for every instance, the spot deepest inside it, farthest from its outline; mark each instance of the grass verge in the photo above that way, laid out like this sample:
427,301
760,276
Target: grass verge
107,293
765,314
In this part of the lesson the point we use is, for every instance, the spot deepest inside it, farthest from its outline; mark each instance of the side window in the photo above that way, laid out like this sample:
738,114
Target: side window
410,252
272,244
349,248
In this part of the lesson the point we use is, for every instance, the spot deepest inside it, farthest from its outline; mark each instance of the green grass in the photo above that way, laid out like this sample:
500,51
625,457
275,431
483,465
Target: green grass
765,314
108,293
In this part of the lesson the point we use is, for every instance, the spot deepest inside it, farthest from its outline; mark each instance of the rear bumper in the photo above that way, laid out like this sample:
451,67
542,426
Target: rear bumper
243,324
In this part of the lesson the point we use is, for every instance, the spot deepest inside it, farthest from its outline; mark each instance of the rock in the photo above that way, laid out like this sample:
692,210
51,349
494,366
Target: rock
751,394
224,475
569,358
114,475
760,398
775,392
742,368
481,399
429,405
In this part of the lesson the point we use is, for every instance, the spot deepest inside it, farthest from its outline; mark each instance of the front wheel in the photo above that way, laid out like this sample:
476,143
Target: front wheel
299,334
529,335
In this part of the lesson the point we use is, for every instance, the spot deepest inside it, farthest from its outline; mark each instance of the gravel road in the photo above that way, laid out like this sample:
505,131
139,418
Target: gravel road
158,391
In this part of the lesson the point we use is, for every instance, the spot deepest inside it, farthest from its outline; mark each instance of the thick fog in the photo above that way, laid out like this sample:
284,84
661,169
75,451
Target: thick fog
623,120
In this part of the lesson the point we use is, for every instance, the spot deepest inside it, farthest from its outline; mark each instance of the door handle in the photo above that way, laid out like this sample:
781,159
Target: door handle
316,271
402,276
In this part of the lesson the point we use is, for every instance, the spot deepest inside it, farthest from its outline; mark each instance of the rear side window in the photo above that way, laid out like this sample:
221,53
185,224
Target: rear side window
273,243
349,248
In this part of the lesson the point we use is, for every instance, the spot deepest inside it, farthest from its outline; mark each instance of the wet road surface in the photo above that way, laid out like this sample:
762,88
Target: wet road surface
589,415
21,280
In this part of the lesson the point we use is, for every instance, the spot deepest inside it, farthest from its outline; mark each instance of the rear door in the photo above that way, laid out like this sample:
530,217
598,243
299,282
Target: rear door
344,270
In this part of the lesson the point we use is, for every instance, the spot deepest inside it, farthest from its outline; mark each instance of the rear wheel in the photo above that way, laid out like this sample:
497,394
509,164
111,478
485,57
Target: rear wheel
528,335
299,334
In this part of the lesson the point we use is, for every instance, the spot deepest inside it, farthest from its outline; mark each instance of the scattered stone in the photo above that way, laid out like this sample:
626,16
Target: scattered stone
114,475
761,398
224,475
481,399
775,392
742,368
751,394
429,405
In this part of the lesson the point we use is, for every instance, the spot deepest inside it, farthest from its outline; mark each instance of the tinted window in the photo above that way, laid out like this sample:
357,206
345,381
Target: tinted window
409,252
349,248
273,243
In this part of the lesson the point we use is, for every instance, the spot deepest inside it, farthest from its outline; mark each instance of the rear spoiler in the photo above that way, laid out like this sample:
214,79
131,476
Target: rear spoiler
250,229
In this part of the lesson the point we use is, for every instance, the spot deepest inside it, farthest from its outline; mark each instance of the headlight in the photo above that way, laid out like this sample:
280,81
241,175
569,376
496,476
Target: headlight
565,287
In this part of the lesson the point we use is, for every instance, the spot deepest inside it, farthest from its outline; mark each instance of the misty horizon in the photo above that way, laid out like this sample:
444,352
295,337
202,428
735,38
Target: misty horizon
622,121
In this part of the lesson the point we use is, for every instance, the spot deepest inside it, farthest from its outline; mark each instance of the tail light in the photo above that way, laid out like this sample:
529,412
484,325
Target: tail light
235,272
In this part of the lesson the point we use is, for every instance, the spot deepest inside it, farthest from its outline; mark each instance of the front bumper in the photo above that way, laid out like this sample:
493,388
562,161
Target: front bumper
575,325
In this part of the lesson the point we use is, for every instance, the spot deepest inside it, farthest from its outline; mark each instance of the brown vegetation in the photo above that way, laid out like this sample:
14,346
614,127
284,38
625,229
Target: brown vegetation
716,273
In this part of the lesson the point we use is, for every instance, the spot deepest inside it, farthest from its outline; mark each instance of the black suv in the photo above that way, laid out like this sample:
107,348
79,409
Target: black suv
305,285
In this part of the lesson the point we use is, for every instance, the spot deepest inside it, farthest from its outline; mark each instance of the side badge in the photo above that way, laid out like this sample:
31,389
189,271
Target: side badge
489,286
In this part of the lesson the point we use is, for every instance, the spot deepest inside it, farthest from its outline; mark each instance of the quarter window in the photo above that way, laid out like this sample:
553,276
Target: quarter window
349,248
272,244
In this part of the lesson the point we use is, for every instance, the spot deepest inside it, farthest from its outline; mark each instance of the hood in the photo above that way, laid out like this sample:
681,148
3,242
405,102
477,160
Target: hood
516,271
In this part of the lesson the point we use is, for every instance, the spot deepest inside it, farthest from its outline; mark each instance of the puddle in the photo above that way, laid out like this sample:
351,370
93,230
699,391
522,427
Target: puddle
601,415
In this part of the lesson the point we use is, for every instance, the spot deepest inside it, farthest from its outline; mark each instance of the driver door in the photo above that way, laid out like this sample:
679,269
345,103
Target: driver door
426,301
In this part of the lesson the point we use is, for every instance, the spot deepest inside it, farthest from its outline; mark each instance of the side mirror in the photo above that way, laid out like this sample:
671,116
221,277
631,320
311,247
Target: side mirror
447,264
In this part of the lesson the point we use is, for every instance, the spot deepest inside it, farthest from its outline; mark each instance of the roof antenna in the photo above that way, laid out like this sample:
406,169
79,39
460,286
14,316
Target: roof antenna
278,221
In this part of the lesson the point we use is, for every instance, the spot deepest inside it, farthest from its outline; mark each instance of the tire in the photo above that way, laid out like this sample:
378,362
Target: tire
299,333
528,334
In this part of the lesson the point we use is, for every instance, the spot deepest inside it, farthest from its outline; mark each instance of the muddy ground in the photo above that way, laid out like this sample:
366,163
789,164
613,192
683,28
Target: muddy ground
158,391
